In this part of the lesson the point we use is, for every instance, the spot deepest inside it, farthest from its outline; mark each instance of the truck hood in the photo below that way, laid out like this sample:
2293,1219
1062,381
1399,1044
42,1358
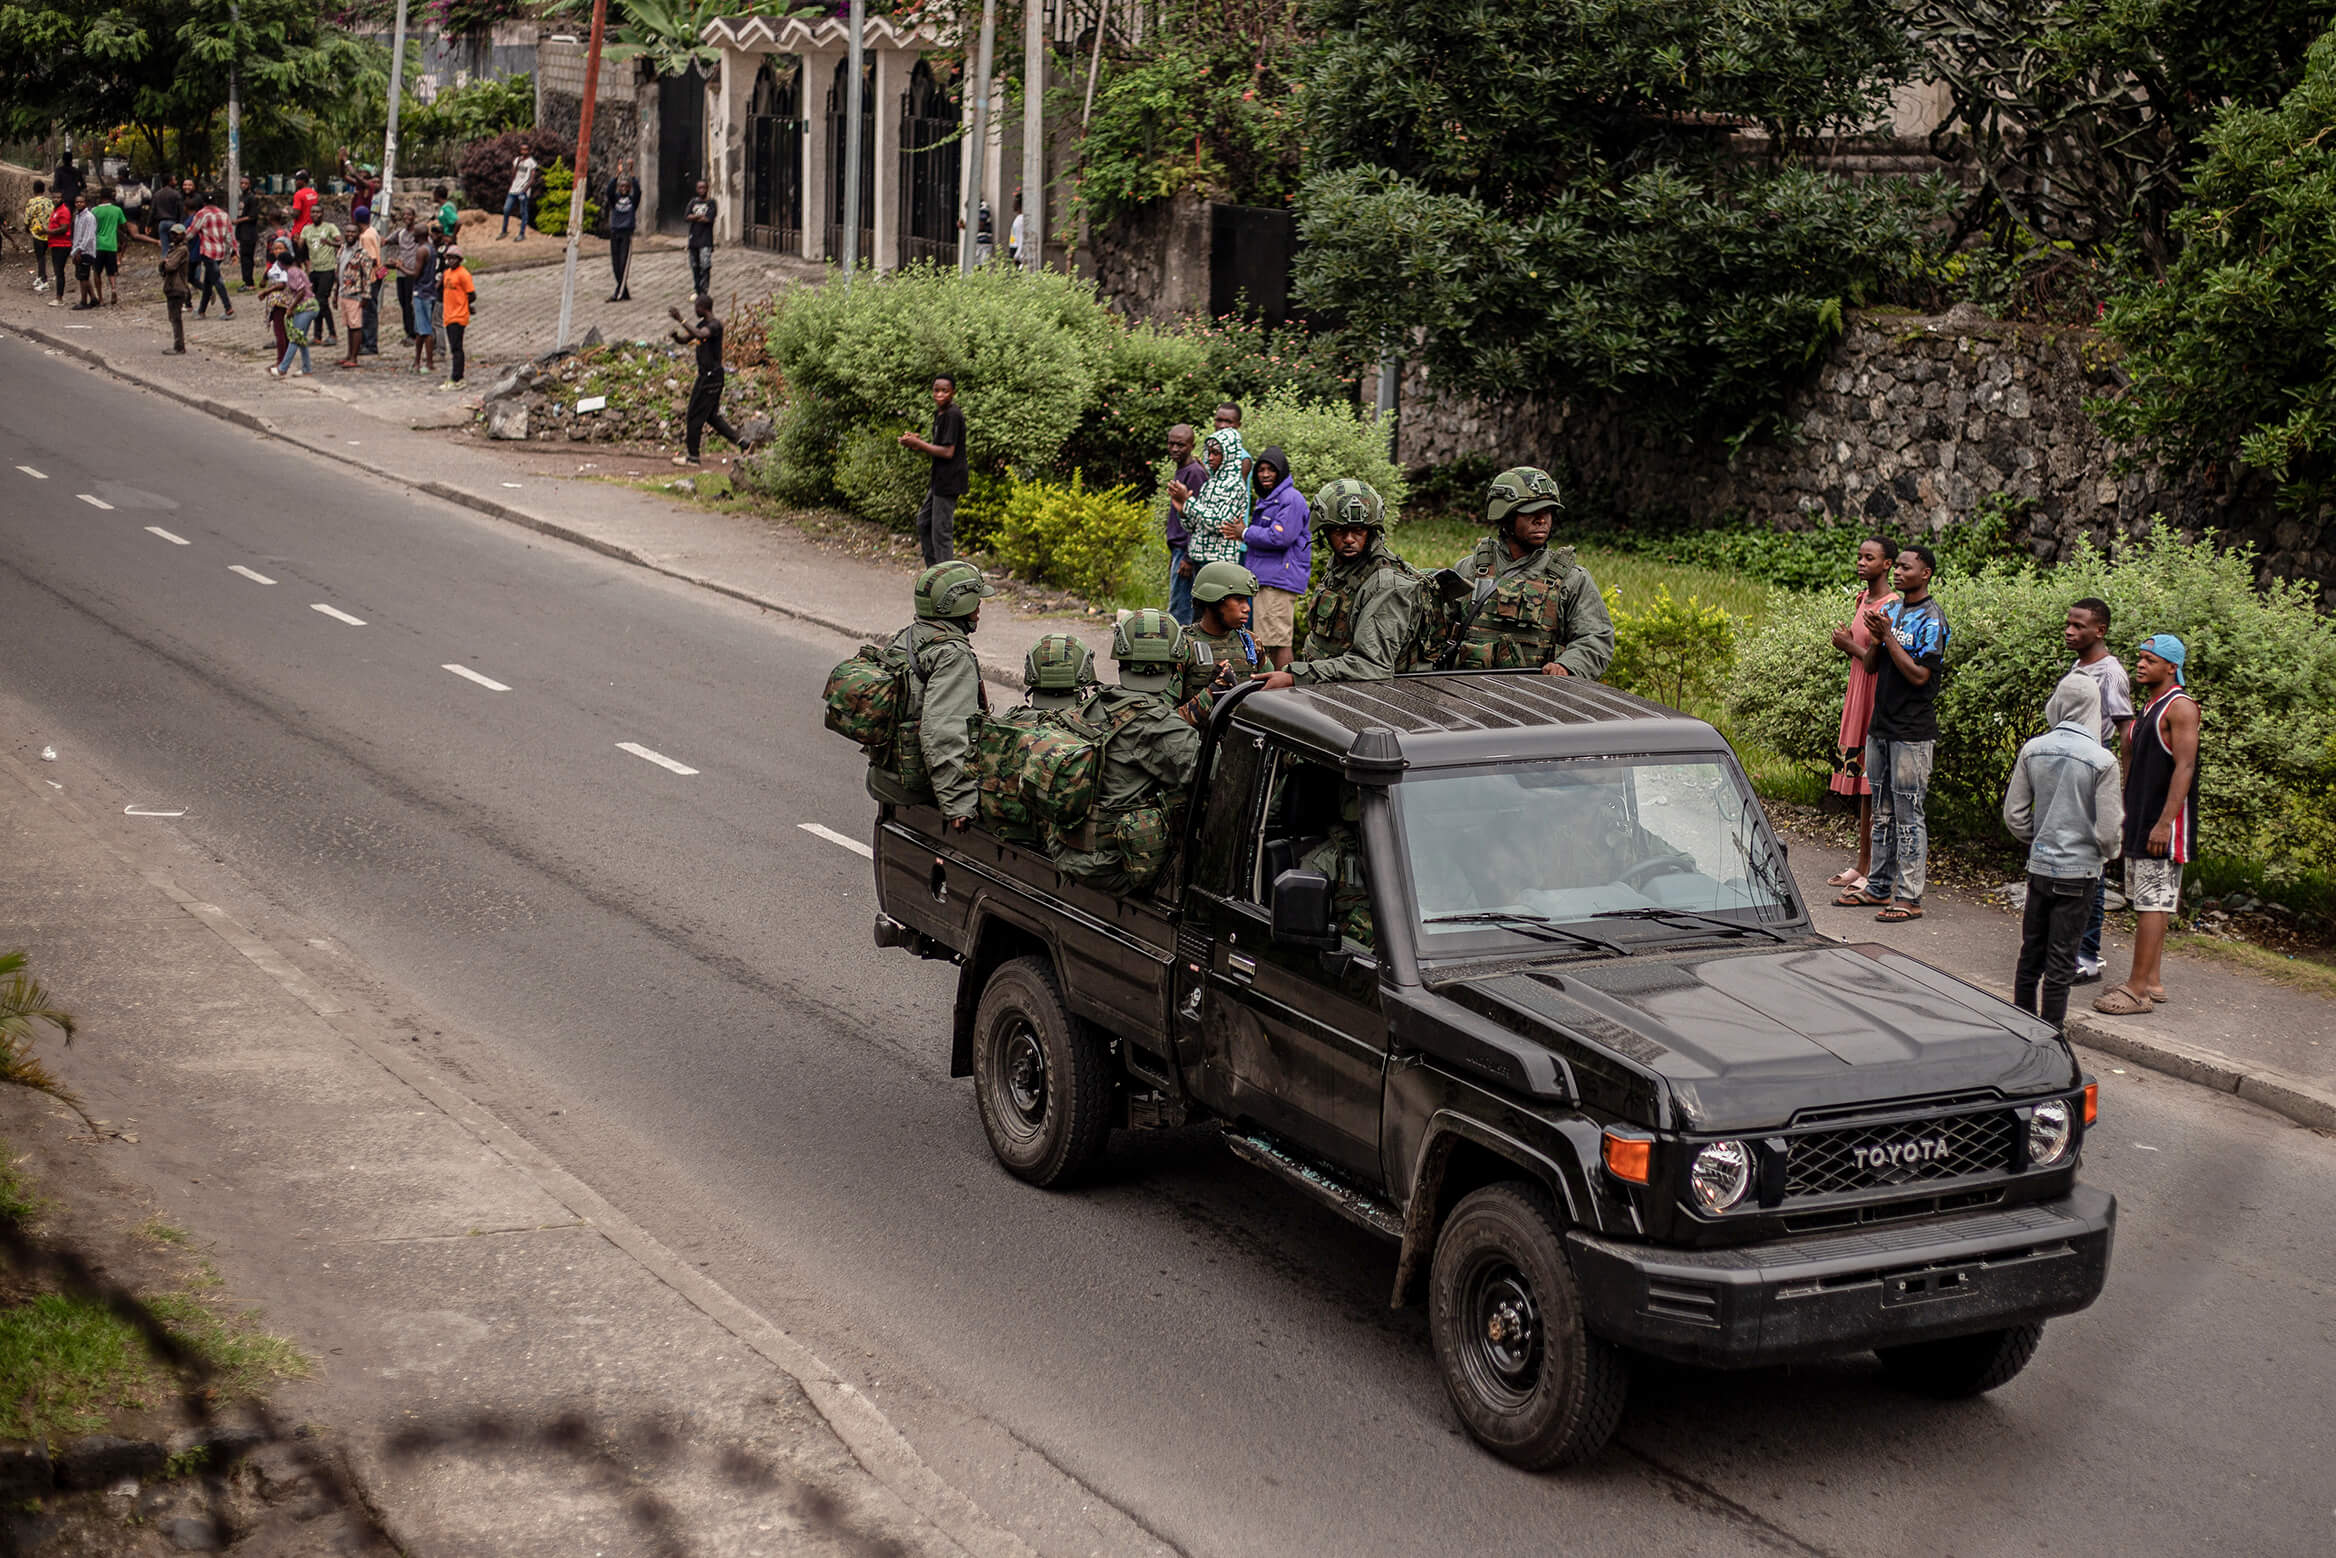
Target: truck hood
1745,1039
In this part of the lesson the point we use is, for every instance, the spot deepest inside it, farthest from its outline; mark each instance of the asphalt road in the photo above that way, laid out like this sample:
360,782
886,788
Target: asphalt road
666,980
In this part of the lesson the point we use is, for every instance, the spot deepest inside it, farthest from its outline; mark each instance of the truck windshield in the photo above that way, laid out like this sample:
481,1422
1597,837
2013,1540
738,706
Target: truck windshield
1565,842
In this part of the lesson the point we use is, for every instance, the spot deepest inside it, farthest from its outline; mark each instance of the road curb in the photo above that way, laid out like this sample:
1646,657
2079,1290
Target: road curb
493,508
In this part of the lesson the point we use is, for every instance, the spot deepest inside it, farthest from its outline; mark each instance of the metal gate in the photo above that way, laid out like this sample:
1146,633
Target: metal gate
681,143
774,156
837,94
929,170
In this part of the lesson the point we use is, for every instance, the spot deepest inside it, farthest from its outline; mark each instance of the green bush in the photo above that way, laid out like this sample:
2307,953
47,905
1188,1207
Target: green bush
2261,665
799,466
1679,652
1149,381
880,480
1326,440
551,208
1070,536
1817,557
981,509
1249,361
1023,345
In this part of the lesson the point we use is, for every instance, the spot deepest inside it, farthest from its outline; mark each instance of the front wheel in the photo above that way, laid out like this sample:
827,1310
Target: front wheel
1961,1366
1042,1081
1529,1381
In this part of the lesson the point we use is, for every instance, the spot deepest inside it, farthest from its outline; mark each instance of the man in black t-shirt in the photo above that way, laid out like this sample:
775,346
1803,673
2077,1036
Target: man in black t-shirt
1908,656
705,396
937,519
700,215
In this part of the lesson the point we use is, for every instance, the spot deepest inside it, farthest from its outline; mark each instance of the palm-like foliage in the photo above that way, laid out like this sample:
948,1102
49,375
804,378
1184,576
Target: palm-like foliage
669,33
24,1003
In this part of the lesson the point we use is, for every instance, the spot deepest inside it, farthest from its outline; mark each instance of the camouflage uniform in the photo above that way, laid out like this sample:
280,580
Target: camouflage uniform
1340,857
1203,656
1544,607
1059,672
1364,616
1147,766
945,699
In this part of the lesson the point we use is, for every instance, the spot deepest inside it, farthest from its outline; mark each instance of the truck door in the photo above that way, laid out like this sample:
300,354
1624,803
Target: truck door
1291,1038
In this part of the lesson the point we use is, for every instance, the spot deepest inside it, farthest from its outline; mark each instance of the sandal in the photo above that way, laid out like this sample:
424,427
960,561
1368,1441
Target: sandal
2122,1002
1849,878
1858,898
2157,997
1900,913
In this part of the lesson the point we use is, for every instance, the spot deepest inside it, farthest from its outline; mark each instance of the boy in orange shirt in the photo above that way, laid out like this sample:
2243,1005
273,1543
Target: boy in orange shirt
457,292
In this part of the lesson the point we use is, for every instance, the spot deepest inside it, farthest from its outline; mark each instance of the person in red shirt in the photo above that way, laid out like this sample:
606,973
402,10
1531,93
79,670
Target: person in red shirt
214,235
60,245
303,203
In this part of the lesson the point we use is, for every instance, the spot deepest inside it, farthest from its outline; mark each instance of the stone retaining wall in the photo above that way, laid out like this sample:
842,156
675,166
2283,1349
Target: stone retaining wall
1913,422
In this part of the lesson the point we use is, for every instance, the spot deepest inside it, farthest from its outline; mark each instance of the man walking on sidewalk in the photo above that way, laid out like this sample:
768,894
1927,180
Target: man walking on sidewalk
2161,817
937,518
705,396
368,242
2085,633
2064,804
36,227
1908,654
175,259
700,215
521,196
212,235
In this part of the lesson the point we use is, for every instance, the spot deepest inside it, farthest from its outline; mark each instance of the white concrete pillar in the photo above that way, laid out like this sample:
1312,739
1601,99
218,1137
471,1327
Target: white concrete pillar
726,132
819,158
893,65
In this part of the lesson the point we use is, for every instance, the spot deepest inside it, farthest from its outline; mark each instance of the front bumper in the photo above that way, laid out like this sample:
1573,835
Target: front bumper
1850,1291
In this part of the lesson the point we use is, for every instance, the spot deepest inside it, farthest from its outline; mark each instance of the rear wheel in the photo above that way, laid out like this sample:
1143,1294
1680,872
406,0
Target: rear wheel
1042,1080
1530,1383
1961,1366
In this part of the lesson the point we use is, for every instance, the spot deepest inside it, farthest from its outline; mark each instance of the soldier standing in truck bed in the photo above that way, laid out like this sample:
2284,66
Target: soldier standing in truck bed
930,758
1219,640
1363,617
1532,607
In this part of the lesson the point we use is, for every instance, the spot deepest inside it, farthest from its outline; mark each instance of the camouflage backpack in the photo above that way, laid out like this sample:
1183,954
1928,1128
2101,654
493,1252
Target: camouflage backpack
1141,836
1001,765
867,698
1064,761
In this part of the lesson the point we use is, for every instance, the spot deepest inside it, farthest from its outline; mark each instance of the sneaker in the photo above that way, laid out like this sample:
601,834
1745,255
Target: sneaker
2089,971
275,373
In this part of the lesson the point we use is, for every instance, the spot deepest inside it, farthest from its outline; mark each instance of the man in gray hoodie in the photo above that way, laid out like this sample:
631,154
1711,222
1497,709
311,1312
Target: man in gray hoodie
2066,803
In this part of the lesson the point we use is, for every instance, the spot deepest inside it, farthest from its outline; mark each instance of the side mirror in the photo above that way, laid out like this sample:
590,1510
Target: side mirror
1301,910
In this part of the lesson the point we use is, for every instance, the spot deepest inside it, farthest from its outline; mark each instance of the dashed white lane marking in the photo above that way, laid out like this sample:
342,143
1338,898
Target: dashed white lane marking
35,475
148,811
659,758
337,614
174,540
833,837
93,500
253,575
469,675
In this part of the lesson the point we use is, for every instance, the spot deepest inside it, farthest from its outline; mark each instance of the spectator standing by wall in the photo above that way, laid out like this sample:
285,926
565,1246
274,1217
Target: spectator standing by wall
1857,704
324,265
85,250
2064,803
456,294
368,243
170,205
425,298
66,184
520,197
404,260
247,229
351,280
303,204
36,227
1190,477
699,213
624,212
60,244
1280,554
449,216
1218,515
937,516
364,187
705,396
214,237
2085,633
275,295
1908,657
2161,817
177,257
134,197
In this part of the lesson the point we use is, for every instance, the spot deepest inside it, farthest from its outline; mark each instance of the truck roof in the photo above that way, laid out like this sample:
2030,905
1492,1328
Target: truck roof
1452,718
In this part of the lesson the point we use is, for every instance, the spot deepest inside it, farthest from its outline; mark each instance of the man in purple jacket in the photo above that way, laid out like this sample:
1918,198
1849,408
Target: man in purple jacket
1190,477
1280,538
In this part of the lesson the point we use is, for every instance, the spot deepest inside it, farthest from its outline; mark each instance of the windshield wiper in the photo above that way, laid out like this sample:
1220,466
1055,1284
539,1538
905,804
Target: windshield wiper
1733,927
1528,925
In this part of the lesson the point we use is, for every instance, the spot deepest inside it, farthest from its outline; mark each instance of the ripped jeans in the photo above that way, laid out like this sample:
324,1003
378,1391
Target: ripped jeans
1899,771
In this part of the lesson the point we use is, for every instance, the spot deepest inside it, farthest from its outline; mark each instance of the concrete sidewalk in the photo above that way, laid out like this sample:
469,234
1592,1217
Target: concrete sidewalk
512,1365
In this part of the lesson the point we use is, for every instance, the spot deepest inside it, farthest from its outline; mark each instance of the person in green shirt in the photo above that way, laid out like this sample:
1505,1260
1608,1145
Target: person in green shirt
449,219
107,266
324,268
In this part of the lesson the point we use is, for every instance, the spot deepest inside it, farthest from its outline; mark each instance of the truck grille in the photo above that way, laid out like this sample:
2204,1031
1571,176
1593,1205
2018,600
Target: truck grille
1908,1152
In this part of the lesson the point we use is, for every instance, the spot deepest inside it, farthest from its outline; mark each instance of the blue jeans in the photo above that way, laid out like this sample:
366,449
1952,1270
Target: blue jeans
1899,771
425,316
296,339
2091,947
524,205
207,281
1179,587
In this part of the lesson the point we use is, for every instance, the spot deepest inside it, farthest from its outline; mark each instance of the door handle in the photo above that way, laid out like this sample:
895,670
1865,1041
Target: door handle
1242,970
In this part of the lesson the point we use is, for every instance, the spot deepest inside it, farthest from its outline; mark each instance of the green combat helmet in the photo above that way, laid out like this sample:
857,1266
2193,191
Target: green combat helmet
1058,663
1349,501
1520,490
1215,581
951,589
1145,645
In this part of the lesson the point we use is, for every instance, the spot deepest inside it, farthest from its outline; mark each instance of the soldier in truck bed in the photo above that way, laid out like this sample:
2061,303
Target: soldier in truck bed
1147,765
1534,608
931,755
1362,619
1218,641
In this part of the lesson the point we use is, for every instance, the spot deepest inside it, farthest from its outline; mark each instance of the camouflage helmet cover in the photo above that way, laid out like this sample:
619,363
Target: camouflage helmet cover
1349,501
951,589
1215,581
1521,489
1147,638
1058,663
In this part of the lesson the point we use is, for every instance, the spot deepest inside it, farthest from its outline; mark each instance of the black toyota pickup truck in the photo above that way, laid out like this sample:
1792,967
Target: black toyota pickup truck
1595,1076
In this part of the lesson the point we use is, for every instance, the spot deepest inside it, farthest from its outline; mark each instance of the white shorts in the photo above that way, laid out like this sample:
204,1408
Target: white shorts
2153,884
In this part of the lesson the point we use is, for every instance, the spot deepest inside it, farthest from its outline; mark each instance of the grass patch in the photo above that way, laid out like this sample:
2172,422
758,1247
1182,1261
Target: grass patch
155,1230
65,1364
2307,974
1434,542
20,1202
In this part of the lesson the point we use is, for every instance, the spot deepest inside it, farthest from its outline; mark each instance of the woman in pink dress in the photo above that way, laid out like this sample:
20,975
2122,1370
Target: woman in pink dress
1857,705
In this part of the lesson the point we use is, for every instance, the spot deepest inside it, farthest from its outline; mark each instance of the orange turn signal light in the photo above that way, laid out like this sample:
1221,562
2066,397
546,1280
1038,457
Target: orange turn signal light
2092,1102
1627,1158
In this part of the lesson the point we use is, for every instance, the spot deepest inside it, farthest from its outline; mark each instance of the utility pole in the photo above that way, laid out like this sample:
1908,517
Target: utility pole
397,86
235,116
583,162
855,153
1033,133
979,90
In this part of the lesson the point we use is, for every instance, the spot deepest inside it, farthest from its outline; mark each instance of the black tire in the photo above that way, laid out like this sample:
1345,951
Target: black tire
1961,1366
1040,1077
1529,1381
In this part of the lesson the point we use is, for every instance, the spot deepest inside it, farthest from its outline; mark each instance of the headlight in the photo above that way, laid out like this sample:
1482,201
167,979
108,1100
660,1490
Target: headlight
1722,1172
2048,1134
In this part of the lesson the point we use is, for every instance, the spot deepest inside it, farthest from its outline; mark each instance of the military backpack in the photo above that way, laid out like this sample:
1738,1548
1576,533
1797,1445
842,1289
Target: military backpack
1063,761
867,697
1002,766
